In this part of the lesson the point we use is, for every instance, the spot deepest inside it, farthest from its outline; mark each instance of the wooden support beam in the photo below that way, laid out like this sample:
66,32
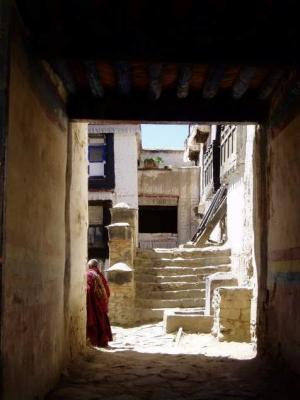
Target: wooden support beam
214,77
270,83
185,76
63,71
5,23
155,71
124,78
137,107
242,83
94,79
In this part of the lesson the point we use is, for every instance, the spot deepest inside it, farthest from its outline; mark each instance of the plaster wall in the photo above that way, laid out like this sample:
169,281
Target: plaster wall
180,182
240,227
34,250
283,282
76,239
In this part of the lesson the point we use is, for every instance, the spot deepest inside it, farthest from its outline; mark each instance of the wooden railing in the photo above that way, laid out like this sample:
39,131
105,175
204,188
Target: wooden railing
208,167
228,148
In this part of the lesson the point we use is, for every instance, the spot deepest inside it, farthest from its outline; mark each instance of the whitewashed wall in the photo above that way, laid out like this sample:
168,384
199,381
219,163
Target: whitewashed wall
173,158
125,155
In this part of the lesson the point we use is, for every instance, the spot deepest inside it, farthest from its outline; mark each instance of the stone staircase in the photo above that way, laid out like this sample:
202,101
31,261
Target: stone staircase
174,279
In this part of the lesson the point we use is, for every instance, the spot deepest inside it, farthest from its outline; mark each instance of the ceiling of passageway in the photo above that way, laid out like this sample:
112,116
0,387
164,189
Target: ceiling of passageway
167,60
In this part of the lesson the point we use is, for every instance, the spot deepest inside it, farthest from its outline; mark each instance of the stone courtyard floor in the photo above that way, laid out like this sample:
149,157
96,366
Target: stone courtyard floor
143,363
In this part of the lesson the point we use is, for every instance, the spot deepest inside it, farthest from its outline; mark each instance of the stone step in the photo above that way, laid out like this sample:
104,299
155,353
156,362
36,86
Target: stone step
185,253
174,303
172,294
182,270
179,261
163,286
192,322
157,314
151,278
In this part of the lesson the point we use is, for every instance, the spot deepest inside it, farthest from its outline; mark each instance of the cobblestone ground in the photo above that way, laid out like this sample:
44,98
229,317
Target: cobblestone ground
143,363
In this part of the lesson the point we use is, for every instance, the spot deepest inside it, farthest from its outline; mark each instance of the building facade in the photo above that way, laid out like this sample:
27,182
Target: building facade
112,178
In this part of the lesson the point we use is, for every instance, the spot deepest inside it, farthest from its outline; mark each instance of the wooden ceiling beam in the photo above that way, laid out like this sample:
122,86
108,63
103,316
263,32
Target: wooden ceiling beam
124,77
270,83
155,71
94,79
214,77
195,109
61,68
185,75
241,85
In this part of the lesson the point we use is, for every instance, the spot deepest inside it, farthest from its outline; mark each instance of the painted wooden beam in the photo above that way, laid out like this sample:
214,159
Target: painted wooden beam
94,79
138,108
155,71
185,76
242,83
270,83
63,71
214,77
124,77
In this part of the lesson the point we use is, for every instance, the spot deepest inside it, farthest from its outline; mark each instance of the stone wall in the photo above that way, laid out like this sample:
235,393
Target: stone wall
232,309
34,265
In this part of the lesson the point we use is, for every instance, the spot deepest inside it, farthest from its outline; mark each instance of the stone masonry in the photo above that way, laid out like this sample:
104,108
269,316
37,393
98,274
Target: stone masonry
232,314
122,233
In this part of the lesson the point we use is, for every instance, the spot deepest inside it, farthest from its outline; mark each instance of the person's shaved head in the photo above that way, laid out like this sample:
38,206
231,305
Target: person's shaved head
93,263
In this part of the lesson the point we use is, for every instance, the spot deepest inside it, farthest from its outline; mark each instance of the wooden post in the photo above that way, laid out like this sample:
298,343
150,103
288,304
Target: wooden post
5,16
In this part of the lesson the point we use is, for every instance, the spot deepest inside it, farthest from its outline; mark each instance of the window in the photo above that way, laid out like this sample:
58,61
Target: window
157,219
96,153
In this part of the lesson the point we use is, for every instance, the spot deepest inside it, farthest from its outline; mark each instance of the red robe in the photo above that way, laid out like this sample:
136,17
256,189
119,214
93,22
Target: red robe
98,326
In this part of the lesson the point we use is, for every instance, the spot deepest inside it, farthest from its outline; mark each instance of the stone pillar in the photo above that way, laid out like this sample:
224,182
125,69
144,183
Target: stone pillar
122,299
232,314
120,273
122,213
120,243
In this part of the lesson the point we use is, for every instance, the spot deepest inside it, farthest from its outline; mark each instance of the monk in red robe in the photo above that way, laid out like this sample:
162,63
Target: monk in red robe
98,326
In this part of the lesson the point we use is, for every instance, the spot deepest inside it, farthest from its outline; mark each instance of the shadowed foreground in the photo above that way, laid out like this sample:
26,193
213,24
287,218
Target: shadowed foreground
162,371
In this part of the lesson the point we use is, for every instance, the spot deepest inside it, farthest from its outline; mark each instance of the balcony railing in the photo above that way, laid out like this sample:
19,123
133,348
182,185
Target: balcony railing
228,149
208,167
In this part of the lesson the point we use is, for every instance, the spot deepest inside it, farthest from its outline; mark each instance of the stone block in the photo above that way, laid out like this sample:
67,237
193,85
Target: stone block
120,274
119,231
190,322
214,281
232,307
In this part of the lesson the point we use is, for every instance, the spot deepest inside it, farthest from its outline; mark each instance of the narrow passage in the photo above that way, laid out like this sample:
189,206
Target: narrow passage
143,363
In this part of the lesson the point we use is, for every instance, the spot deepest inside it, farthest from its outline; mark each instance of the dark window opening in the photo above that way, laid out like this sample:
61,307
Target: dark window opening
97,153
158,219
99,218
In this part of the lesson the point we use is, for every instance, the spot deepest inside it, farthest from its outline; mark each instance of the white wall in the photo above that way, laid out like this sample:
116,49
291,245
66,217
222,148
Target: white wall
240,212
173,158
125,147
125,155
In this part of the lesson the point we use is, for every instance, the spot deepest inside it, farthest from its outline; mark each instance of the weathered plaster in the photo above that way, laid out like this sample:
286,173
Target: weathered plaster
76,243
283,317
33,315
